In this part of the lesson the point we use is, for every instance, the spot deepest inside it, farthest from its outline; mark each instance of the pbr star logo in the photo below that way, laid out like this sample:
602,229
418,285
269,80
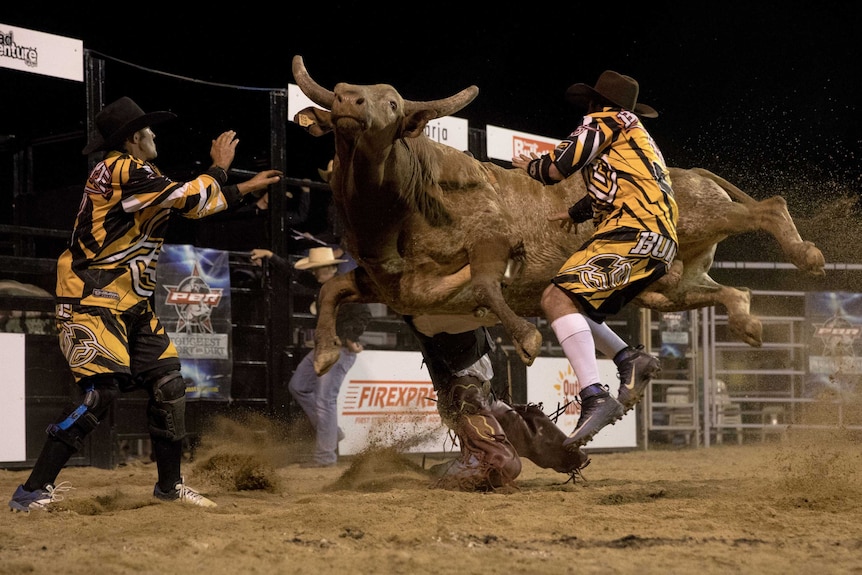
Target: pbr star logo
838,336
194,300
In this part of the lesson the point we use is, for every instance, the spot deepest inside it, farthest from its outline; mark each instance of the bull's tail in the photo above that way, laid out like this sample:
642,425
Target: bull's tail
732,190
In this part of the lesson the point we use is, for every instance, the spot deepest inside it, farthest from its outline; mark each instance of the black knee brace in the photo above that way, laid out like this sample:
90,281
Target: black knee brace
73,428
448,353
166,412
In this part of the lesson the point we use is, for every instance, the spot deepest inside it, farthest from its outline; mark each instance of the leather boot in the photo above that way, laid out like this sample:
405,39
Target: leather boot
537,438
488,459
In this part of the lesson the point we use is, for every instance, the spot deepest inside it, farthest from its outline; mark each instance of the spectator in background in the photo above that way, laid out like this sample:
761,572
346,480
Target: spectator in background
291,218
248,225
318,395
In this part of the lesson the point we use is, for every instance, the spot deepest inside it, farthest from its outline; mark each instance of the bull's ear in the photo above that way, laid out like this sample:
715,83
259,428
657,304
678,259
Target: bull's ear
315,121
414,123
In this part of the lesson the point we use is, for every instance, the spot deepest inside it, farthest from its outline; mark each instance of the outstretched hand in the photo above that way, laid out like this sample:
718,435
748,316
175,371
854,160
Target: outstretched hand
260,254
523,160
566,223
353,346
223,149
259,181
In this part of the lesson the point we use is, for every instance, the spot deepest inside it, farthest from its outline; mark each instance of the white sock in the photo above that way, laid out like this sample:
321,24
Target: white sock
606,339
575,337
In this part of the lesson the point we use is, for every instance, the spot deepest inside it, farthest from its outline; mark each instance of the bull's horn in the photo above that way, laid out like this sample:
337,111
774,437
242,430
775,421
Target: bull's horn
324,98
315,92
446,106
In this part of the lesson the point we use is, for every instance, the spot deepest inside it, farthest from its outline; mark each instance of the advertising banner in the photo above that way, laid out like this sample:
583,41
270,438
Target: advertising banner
835,345
12,398
193,303
675,329
504,144
387,400
449,130
40,53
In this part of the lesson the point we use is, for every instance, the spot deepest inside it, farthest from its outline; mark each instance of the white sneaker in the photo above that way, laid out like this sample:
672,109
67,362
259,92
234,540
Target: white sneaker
184,494
23,500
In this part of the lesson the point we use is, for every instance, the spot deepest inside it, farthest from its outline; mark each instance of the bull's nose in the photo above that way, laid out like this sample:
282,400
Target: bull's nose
353,99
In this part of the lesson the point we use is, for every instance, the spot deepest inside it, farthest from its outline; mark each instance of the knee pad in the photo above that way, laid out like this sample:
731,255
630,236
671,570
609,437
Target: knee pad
166,412
82,420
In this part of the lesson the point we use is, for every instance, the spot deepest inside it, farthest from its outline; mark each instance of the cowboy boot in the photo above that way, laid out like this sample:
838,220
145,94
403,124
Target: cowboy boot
537,438
488,460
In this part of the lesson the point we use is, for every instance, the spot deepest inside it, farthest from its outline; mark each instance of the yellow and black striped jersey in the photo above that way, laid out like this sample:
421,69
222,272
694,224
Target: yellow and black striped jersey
624,172
121,226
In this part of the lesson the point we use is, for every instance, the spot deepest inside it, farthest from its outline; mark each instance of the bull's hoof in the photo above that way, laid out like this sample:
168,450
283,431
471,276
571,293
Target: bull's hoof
747,328
670,281
809,259
529,345
325,358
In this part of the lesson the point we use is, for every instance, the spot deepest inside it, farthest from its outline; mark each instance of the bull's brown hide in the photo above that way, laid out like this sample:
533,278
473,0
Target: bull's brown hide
435,230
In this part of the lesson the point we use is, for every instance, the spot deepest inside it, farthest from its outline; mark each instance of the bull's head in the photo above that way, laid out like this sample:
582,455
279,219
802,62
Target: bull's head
413,115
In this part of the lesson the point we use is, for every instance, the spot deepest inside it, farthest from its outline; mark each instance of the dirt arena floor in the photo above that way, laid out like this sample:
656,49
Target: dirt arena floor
791,506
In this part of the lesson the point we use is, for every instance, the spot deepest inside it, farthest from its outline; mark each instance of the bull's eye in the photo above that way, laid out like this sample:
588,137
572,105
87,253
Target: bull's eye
393,105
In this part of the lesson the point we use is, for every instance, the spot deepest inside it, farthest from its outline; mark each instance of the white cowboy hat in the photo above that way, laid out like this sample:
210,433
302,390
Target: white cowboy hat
318,258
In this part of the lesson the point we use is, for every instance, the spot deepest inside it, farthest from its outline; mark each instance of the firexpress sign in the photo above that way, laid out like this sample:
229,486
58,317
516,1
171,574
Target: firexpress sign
387,400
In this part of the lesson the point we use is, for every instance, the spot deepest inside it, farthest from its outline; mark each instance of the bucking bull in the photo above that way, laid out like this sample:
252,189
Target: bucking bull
447,240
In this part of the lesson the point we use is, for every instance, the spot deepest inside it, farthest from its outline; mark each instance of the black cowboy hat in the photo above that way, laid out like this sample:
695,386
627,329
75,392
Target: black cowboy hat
119,120
612,87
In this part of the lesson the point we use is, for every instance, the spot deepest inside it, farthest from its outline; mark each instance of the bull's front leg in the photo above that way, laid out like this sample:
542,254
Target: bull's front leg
488,260
335,291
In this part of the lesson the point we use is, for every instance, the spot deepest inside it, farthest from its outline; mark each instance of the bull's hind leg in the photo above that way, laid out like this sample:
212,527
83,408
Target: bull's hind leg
704,293
772,215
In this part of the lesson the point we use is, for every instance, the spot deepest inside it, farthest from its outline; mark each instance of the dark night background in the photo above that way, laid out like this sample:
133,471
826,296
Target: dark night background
764,94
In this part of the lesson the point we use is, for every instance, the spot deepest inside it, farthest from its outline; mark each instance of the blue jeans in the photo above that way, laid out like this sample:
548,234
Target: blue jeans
318,397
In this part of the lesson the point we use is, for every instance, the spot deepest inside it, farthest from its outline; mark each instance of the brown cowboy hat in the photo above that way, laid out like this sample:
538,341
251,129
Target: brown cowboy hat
318,258
612,87
119,120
